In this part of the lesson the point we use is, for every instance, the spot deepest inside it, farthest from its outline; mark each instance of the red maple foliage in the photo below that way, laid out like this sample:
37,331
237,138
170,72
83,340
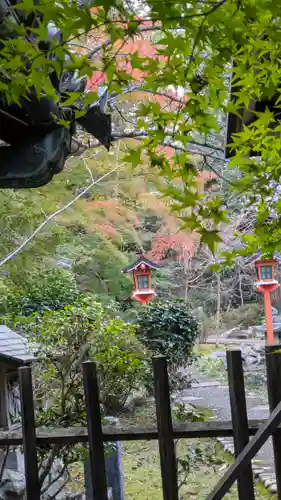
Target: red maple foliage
184,244
116,220
143,45
140,44
170,236
111,218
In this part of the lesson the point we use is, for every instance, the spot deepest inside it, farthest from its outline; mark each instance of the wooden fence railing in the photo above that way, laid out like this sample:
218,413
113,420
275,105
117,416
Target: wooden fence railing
165,431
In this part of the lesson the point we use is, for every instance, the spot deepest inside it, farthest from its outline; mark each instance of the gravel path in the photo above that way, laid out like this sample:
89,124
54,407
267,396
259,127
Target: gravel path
214,394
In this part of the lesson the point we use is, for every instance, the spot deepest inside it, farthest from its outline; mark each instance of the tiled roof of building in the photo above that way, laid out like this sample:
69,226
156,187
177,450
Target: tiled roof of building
14,347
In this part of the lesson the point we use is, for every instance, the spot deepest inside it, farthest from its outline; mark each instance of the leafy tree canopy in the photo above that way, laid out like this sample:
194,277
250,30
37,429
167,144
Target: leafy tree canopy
53,289
195,44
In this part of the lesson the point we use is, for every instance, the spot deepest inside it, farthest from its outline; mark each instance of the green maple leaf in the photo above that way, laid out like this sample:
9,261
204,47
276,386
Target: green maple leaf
134,157
210,238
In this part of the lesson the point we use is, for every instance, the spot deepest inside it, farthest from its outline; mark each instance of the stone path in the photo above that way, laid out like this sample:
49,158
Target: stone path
213,394
231,341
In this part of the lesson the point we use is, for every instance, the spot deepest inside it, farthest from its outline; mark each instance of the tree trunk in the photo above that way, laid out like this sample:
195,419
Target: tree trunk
186,286
218,307
240,289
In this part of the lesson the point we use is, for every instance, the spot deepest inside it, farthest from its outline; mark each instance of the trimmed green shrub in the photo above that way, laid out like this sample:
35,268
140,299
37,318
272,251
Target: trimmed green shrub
167,327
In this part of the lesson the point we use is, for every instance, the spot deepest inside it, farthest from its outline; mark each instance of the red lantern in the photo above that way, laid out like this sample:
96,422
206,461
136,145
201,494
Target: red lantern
143,291
266,284
265,270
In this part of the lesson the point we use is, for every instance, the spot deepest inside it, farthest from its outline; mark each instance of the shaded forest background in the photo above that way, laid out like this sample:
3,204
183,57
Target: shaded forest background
88,245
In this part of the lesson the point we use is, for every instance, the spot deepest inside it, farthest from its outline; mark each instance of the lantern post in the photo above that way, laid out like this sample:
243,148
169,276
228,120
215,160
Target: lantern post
143,290
266,284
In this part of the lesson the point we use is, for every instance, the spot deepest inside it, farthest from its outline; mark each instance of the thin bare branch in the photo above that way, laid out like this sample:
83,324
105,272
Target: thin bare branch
83,147
55,214
139,134
88,170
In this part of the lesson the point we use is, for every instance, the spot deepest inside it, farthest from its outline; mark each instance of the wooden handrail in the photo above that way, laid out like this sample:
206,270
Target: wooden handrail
72,435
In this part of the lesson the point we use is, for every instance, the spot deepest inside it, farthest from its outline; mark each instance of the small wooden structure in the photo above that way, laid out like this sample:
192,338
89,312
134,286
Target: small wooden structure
143,290
14,353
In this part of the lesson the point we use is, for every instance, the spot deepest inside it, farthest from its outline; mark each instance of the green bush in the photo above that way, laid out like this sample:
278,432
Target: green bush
242,317
67,337
212,367
52,289
121,362
166,327
62,340
245,316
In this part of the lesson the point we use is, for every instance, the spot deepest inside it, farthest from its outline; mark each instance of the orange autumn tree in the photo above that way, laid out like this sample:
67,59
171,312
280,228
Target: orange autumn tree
135,97
129,210
133,215
126,108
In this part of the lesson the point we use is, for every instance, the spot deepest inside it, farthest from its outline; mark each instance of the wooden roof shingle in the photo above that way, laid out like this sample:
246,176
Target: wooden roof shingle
14,347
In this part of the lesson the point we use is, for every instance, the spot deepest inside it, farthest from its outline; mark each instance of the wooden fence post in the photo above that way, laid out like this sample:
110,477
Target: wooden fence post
29,434
248,453
165,429
96,448
273,366
245,483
